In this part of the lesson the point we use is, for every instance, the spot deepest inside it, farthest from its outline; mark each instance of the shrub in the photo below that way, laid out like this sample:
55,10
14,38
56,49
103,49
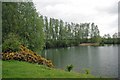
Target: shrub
11,43
69,67
87,71
27,55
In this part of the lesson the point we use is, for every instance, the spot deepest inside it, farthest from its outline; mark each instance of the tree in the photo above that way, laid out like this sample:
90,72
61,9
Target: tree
56,28
21,18
11,43
115,38
95,33
61,30
92,30
46,28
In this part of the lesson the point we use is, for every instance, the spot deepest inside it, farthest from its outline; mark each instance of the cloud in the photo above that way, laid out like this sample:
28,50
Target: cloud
103,13
111,9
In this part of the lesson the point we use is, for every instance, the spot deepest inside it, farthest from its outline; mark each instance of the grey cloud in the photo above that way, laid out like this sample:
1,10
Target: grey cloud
44,3
113,9
119,16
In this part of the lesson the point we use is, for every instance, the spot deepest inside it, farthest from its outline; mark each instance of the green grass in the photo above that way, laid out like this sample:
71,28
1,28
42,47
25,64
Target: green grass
17,69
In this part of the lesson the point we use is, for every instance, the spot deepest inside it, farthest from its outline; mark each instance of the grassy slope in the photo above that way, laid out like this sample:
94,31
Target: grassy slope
17,69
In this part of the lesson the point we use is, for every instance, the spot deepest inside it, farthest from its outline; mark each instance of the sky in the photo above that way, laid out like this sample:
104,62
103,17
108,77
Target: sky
103,13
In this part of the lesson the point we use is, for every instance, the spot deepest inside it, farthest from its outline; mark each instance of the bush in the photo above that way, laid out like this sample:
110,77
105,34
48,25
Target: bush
11,43
69,67
27,55
87,71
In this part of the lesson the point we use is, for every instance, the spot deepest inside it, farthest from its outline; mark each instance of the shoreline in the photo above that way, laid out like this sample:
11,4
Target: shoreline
89,44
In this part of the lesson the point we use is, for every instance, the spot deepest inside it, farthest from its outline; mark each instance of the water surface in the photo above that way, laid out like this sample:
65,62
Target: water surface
101,61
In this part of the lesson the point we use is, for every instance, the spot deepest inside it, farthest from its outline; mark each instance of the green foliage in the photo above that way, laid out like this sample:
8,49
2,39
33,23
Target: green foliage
21,18
63,34
69,67
86,71
107,39
11,43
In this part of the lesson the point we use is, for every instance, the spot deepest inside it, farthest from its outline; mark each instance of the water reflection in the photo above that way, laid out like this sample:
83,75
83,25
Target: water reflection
102,61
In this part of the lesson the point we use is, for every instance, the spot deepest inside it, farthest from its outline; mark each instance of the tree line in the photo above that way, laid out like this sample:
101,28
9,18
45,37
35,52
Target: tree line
23,25
62,34
114,39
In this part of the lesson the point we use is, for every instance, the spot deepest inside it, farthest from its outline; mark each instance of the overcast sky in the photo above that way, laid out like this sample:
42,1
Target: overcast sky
103,13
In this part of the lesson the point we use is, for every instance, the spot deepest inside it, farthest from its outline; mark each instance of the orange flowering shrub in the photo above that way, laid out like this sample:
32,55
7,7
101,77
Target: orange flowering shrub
26,55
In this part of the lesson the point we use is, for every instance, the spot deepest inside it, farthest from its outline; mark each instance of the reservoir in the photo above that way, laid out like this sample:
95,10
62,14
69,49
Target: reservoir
102,61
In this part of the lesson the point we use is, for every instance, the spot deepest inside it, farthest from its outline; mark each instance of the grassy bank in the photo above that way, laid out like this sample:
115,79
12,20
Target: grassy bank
17,69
